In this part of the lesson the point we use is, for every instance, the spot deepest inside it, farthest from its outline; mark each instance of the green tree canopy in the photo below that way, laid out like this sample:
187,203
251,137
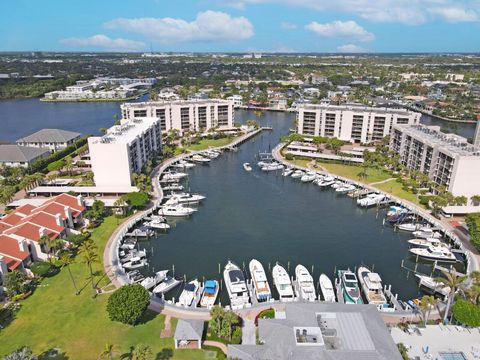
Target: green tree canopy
128,304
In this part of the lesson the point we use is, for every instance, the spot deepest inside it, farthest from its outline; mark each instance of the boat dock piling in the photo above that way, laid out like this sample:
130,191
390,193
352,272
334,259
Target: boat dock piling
392,298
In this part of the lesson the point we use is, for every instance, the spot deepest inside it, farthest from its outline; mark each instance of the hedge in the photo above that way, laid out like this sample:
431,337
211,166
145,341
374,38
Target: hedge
473,223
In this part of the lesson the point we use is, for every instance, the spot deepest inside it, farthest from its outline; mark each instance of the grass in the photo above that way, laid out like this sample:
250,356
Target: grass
53,317
207,143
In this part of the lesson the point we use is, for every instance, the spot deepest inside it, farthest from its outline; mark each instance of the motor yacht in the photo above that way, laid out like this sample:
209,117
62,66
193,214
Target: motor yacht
236,286
327,289
345,188
282,283
127,256
325,183
173,187
189,293
200,159
135,263
425,243
287,172
434,253
187,198
396,210
432,286
426,232
175,210
408,226
309,176
152,281
247,166
371,200
259,281
273,166
349,286
305,285
297,174
210,294
372,287
174,176
157,224
166,285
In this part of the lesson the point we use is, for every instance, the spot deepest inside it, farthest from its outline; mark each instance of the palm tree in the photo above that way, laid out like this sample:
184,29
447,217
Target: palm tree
120,203
453,281
229,320
46,243
426,305
88,251
68,165
475,199
107,352
65,261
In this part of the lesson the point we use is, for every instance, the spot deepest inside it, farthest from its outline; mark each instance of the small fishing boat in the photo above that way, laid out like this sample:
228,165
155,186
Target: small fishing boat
152,281
325,183
189,293
306,287
200,159
408,227
309,176
297,174
434,253
287,172
372,287
157,224
247,166
282,283
259,280
166,285
349,287
327,289
236,286
210,294
135,263
176,210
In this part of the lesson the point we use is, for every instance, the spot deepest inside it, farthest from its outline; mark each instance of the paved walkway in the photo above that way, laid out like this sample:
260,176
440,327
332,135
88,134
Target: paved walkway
248,332
216,344
167,329
382,182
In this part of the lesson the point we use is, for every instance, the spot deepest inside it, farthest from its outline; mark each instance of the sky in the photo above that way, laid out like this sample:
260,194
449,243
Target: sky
345,26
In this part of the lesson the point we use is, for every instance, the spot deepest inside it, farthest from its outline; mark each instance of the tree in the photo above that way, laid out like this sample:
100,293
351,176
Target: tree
475,200
15,283
466,313
142,182
46,243
230,319
461,200
68,165
136,199
142,352
89,252
97,212
216,313
427,303
107,352
65,261
128,303
121,203
453,281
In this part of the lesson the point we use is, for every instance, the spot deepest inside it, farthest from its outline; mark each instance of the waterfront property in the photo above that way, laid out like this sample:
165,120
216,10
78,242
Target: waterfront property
52,139
123,150
320,331
448,159
184,115
20,156
351,122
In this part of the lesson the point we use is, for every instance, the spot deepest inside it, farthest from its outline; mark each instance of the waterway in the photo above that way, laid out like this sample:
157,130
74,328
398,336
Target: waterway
247,215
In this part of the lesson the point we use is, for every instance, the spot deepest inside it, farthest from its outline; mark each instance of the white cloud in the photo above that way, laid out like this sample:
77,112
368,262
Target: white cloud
208,26
351,48
288,26
105,43
456,14
341,29
401,11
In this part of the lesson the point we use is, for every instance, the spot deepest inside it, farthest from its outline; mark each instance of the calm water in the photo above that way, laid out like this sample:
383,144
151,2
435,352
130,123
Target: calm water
247,215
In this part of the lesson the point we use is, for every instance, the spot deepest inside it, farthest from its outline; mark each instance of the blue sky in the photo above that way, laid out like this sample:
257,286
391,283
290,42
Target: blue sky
241,25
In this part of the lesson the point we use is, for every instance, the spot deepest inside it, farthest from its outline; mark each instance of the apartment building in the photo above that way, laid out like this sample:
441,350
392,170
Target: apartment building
123,150
237,100
447,159
351,122
184,115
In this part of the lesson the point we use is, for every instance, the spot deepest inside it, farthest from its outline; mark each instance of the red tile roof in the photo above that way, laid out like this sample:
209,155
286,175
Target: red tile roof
45,220
4,226
10,247
12,264
25,209
13,218
52,208
67,200
30,231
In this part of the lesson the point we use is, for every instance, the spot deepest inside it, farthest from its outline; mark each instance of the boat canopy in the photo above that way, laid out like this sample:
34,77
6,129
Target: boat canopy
190,287
210,286
236,276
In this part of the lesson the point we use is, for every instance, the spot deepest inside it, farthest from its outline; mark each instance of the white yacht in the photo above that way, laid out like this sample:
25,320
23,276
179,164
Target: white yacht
372,287
426,232
173,187
166,285
210,294
152,281
297,174
187,198
325,183
433,286
425,243
175,210
273,166
174,176
247,166
287,172
327,288
345,188
371,200
396,210
434,253
135,263
408,227
200,159
259,281
182,164
306,287
236,286
282,283
189,293
157,224
309,176
127,256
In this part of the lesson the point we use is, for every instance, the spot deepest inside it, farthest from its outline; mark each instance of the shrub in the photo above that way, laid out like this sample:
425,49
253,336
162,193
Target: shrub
56,165
78,239
237,335
289,156
473,223
15,283
136,199
42,268
424,200
403,351
128,304
466,313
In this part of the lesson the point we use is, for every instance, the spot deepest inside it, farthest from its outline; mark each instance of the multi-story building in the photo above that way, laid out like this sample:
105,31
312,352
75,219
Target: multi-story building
351,122
448,159
237,100
53,139
123,150
20,156
184,115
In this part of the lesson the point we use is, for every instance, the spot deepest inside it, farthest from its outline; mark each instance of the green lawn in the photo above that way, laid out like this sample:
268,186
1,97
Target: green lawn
207,143
53,317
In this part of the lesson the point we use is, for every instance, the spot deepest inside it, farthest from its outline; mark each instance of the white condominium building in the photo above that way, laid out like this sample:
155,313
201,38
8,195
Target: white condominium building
351,122
184,115
447,159
123,150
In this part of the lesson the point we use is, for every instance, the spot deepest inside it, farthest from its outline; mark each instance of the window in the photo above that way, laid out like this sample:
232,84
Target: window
309,123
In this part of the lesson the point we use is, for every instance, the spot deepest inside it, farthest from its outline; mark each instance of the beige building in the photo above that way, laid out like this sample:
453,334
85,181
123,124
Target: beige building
123,150
447,159
184,115
351,122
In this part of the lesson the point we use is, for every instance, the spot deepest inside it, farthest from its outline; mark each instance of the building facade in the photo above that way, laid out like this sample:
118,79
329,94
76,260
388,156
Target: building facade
448,159
124,149
184,115
237,100
20,156
351,122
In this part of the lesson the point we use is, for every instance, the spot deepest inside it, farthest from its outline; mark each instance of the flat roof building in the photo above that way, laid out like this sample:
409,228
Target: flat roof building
124,149
184,115
354,123
447,159
52,139
321,331
20,156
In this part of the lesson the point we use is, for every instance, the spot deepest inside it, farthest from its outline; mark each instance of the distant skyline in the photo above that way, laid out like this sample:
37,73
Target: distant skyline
344,26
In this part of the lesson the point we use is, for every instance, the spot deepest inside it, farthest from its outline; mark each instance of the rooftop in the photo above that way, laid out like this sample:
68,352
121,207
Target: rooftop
175,102
125,133
17,153
50,136
354,107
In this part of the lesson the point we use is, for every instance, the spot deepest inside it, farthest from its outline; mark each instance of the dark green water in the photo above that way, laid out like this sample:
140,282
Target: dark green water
271,218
